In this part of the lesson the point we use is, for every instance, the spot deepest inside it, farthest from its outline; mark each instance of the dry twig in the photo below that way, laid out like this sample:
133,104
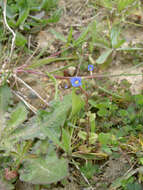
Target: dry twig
27,86
10,29
32,108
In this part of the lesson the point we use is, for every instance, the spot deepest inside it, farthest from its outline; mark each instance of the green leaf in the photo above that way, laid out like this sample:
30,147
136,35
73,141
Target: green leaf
105,138
18,116
77,103
123,4
70,38
92,136
52,123
139,99
103,112
27,131
44,170
22,16
89,170
5,96
103,57
82,37
58,35
41,62
55,16
134,186
92,117
49,4
20,40
82,135
115,32
66,141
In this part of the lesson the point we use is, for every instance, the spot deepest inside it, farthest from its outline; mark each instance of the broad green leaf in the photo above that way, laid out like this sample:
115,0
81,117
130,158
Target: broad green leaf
134,186
52,134
103,57
5,96
77,103
58,35
52,123
138,99
44,170
105,138
29,130
18,116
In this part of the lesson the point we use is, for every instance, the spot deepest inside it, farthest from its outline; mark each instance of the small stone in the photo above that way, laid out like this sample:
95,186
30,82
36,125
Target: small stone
71,70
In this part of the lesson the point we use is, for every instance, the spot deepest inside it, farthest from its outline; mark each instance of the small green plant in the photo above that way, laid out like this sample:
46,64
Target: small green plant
28,17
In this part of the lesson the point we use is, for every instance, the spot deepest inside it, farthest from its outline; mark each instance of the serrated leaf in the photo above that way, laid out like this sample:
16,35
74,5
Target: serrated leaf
44,170
103,57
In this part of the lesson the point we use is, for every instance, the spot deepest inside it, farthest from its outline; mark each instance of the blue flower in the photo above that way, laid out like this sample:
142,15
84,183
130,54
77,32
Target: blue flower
90,67
76,81
66,86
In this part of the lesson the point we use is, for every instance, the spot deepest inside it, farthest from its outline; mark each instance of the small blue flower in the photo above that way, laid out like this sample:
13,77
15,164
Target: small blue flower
76,81
66,86
90,67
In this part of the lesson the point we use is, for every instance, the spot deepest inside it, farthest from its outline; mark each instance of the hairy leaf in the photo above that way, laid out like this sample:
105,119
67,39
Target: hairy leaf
44,170
51,125
18,116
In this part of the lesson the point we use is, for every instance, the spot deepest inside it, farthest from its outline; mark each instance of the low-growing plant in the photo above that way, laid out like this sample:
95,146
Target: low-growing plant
28,17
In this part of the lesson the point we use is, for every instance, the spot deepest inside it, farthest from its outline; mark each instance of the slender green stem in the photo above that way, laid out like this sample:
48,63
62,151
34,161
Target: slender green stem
111,93
55,83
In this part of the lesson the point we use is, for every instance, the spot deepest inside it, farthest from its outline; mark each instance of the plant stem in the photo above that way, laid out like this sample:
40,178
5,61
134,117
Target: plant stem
86,110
